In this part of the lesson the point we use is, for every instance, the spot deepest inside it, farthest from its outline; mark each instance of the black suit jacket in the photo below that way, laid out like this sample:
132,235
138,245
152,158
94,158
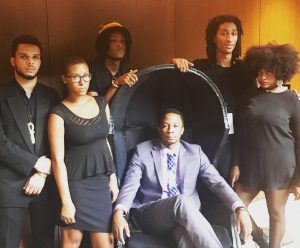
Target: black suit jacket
17,156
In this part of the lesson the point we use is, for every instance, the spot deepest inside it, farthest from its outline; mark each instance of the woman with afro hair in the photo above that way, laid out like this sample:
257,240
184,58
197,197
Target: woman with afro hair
268,135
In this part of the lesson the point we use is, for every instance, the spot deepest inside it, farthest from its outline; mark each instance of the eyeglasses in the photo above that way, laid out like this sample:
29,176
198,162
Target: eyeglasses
76,78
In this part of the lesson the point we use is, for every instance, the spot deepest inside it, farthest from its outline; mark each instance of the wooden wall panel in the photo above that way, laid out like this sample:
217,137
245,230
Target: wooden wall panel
280,23
192,17
73,29
160,29
22,17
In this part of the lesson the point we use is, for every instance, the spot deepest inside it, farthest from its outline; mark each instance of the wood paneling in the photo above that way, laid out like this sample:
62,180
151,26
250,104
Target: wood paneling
160,29
192,17
22,17
280,23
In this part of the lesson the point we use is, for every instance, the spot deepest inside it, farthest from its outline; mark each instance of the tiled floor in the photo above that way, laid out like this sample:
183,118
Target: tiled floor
259,212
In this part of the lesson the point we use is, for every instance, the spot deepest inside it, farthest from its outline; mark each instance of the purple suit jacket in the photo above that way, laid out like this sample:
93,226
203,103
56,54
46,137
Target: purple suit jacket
144,177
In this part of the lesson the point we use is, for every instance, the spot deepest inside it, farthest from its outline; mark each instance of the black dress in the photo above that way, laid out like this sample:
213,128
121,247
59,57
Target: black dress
89,162
268,140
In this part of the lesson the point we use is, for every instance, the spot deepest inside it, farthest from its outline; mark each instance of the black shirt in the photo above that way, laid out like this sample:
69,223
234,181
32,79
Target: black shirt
102,77
232,81
29,104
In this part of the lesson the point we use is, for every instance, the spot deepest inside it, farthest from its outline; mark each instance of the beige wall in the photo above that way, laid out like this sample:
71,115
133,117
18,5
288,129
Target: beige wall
161,29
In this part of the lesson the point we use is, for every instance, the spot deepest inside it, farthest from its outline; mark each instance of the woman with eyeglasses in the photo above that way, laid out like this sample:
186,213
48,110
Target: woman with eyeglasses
82,161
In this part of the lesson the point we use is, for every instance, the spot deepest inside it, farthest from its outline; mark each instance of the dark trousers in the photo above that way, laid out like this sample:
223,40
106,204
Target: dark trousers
42,224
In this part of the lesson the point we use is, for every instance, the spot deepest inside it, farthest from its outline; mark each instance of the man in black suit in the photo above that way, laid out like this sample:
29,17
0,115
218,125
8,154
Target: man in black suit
25,184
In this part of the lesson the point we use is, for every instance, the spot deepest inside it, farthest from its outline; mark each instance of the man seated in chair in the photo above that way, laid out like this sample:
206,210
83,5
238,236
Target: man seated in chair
160,189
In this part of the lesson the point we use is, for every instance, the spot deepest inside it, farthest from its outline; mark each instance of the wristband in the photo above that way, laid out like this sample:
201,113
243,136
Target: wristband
41,174
241,209
124,214
113,82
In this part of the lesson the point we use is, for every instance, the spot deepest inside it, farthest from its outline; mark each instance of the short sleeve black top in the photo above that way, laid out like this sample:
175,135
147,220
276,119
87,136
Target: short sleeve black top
86,149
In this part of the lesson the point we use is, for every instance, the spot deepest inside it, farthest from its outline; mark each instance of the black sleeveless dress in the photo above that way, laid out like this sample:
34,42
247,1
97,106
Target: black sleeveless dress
89,163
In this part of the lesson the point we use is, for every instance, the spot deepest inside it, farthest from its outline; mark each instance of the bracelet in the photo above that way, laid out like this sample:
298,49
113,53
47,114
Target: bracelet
241,209
41,174
124,214
113,82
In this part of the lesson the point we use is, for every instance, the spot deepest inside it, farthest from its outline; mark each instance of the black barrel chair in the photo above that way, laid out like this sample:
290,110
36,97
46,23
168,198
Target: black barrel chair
135,112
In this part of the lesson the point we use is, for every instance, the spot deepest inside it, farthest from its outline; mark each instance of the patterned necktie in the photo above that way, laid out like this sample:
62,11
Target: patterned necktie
172,168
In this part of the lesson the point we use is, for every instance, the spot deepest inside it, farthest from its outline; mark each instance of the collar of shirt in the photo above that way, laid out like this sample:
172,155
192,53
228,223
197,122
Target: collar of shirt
23,92
173,151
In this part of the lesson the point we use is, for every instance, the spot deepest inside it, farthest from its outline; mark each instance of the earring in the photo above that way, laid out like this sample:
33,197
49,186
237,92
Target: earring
279,83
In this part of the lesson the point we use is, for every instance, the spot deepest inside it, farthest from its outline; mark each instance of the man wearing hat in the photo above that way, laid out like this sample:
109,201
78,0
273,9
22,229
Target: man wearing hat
109,71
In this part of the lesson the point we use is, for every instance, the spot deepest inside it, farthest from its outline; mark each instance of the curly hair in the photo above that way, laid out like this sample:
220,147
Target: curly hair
102,42
211,31
281,60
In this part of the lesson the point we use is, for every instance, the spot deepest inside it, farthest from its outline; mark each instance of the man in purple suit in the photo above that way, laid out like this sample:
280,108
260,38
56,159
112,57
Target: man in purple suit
160,189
